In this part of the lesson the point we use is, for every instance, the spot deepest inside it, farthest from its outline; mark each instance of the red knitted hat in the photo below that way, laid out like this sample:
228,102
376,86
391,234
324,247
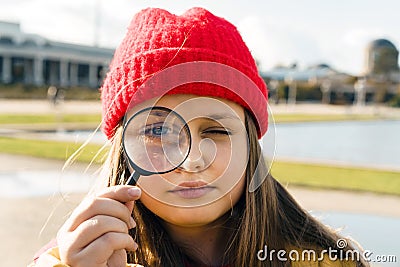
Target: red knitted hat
157,40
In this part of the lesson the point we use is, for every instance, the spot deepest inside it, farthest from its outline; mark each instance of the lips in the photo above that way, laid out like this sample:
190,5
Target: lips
192,189
191,184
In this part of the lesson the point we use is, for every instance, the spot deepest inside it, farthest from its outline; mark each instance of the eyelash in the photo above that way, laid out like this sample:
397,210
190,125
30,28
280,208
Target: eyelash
218,131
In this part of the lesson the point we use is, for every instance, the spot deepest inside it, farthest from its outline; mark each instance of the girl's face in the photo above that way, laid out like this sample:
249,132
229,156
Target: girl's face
211,179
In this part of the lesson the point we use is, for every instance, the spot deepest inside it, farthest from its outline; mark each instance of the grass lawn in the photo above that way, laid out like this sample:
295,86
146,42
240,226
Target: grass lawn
48,118
49,149
323,176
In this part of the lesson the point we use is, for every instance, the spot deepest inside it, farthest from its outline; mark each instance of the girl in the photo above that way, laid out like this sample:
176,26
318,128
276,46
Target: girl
219,206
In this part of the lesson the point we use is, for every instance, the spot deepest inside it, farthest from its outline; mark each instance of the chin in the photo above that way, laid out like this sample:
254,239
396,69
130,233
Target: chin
190,217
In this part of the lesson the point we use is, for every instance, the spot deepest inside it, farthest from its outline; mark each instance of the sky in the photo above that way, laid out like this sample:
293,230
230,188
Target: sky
283,32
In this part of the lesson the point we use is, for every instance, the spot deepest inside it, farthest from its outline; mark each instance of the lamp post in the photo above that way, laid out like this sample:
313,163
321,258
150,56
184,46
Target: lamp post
273,86
360,91
326,91
56,97
292,89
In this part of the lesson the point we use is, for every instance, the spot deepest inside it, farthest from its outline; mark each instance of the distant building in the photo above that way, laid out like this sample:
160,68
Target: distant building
32,59
379,82
330,83
381,58
382,75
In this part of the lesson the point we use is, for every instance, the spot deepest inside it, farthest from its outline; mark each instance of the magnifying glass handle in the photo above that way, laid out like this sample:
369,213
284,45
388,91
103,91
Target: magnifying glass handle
133,178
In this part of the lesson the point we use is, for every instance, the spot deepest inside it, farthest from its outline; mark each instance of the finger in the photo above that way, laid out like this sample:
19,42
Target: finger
121,193
95,227
91,207
103,248
130,205
117,259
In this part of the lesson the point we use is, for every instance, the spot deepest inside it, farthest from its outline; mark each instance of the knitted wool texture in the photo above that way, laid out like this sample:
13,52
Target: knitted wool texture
156,40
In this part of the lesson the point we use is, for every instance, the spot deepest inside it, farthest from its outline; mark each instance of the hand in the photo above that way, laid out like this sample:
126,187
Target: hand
96,234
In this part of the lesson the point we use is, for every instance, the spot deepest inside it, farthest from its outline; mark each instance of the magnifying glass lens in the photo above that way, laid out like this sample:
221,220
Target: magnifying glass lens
156,140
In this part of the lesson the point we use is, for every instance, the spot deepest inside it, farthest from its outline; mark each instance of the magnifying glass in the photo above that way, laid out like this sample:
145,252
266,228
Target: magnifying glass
155,140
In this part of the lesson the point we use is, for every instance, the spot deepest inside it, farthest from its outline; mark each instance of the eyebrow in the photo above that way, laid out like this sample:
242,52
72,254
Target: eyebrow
221,116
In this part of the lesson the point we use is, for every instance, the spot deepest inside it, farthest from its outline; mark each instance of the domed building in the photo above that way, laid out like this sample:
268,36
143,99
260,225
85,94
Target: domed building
381,77
381,58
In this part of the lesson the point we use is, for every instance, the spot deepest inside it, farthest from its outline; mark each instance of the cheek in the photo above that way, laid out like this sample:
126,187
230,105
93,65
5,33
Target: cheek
231,162
154,187
221,160
152,203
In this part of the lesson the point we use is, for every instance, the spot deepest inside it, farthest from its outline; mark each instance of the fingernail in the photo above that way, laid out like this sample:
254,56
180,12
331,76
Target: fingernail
134,191
135,246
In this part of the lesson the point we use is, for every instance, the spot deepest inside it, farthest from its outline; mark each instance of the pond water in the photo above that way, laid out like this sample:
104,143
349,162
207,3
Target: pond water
366,143
378,234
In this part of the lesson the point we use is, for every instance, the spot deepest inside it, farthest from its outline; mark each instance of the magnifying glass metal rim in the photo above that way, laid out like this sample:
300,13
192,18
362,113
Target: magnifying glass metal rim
138,171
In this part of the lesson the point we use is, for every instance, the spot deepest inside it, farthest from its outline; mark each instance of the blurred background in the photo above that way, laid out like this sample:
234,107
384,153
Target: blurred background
333,75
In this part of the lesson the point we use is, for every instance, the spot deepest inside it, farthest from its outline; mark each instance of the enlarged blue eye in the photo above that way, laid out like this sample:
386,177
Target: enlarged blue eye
157,130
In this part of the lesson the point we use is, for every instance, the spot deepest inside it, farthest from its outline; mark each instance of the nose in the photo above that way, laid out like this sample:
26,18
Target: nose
202,154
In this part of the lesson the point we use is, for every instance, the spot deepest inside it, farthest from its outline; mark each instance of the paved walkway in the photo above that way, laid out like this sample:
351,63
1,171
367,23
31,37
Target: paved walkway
90,107
306,108
12,106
